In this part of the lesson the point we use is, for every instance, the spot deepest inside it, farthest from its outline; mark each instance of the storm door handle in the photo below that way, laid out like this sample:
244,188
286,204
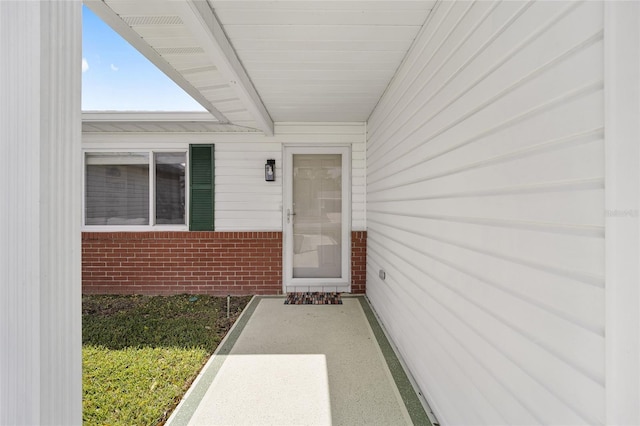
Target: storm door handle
289,214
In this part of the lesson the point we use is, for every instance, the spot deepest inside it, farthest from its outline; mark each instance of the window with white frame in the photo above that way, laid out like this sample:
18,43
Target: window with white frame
135,188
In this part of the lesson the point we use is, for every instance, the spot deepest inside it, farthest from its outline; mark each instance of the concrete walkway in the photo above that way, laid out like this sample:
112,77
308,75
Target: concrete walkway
302,365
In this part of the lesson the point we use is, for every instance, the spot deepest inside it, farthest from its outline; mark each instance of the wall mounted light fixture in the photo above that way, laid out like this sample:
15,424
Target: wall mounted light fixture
270,171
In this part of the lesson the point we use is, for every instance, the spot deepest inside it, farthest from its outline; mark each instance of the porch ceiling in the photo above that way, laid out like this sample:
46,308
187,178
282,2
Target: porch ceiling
254,62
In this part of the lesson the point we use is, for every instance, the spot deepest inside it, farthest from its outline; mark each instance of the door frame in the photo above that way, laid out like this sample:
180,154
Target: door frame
290,284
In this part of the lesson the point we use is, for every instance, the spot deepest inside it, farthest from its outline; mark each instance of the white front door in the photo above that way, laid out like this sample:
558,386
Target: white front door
317,219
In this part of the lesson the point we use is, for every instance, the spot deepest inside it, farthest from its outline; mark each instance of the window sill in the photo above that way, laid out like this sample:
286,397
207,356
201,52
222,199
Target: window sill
134,228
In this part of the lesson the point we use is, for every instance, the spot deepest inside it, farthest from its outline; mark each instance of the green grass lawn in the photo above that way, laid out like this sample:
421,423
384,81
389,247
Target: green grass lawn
141,353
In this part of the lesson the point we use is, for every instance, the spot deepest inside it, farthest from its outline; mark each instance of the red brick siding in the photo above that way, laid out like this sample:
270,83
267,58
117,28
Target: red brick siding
218,263
182,262
358,261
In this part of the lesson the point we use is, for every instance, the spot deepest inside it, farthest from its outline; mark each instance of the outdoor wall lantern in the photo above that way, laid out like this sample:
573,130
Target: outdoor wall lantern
270,171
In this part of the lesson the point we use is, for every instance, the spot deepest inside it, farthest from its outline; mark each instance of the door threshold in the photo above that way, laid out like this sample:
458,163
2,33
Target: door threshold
318,288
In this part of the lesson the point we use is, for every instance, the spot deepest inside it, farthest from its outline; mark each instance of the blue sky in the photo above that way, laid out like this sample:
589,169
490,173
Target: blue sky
116,77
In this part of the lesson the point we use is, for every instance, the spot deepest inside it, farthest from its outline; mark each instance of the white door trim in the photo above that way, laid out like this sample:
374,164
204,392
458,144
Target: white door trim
289,284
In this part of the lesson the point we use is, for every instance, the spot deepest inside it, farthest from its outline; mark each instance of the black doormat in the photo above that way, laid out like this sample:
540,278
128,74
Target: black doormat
315,298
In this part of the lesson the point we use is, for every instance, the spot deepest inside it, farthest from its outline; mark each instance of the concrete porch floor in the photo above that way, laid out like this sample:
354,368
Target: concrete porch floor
302,365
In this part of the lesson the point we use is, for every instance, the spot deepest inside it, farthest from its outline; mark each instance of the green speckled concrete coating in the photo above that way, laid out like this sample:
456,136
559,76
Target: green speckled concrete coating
353,374
194,395
409,397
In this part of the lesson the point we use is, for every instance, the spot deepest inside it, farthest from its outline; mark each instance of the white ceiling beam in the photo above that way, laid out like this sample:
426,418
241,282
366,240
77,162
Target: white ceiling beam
101,9
201,20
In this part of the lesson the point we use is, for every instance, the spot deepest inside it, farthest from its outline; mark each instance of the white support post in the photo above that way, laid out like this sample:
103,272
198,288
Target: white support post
40,283
622,230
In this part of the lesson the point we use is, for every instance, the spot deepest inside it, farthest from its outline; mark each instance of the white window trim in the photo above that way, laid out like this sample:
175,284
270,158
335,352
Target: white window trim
152,190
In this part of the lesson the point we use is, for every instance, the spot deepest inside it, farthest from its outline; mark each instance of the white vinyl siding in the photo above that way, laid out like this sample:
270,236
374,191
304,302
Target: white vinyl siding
485,204
243,200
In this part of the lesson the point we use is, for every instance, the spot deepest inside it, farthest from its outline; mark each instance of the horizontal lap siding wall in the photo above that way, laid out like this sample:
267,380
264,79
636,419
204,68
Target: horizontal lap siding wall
485,207
244,201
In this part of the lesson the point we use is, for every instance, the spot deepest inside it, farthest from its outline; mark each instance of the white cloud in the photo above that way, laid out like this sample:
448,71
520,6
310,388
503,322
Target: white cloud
114,68
85,65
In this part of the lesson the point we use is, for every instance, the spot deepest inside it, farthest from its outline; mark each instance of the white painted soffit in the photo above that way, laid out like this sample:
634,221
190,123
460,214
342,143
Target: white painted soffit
185,41
156,122
321,60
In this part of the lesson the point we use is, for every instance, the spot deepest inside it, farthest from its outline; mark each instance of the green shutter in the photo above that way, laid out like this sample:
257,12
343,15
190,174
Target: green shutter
202,177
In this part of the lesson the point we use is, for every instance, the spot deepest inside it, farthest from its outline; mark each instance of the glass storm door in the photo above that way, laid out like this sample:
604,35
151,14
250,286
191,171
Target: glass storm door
317,219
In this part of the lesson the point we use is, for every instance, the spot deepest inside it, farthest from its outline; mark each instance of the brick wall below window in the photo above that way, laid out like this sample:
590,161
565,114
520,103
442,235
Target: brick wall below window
217,263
